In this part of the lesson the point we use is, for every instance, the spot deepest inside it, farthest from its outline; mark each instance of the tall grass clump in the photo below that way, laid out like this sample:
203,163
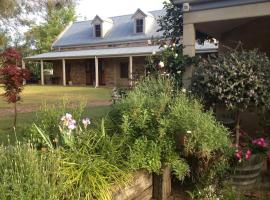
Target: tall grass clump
26,173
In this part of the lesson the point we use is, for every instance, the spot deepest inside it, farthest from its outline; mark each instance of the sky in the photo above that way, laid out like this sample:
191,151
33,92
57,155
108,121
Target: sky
88,9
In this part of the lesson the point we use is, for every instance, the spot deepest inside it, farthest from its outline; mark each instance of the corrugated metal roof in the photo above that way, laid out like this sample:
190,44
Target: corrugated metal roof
114,52
147,50
81,33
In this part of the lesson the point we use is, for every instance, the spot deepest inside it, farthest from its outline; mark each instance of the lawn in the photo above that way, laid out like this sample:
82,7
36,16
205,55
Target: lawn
34,96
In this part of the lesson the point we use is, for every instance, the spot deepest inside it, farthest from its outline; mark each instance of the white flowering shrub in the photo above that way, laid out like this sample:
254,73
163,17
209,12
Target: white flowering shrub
170,62
236,79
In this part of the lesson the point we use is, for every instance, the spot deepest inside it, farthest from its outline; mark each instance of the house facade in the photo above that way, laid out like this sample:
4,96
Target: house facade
103,51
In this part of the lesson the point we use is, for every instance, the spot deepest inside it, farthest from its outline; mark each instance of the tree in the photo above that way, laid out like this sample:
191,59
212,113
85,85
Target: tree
15,15
172,24
57,18
40,37
12,77
237,79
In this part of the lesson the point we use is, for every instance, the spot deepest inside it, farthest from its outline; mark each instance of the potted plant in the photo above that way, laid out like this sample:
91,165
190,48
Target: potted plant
237,80
249,158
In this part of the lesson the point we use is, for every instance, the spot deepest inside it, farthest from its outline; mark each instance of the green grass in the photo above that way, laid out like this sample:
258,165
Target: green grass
35,96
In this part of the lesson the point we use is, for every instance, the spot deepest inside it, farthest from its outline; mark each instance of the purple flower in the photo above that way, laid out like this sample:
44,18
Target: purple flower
86,122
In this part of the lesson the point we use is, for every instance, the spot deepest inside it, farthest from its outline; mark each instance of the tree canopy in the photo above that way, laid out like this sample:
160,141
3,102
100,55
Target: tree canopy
17,16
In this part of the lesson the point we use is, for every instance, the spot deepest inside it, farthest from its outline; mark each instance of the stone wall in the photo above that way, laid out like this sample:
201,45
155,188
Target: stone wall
77,72
111,71
57,72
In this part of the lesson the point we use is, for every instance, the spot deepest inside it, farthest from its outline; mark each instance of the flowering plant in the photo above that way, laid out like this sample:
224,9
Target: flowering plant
253,147
69,129
170,62
69,132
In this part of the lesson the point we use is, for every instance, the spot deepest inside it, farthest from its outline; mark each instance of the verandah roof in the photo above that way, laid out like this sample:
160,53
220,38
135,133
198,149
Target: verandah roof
112,52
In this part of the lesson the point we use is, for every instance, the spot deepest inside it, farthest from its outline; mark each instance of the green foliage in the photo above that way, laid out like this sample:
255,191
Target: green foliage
171,62
172,23
154,113
204,134
29,174
145,155
91,169
42,36
48,119
237,79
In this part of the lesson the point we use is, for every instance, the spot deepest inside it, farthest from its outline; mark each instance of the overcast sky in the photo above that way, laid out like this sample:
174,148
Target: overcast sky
88,9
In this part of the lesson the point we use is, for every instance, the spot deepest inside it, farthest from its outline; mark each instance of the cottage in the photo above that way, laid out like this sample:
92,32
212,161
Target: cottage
104,51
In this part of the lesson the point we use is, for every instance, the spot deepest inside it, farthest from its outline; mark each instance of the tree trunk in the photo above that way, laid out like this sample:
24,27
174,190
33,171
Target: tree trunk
237,128
15,115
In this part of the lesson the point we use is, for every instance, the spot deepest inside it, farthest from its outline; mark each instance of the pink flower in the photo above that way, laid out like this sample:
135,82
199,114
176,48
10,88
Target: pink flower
238,154
260,142
248,154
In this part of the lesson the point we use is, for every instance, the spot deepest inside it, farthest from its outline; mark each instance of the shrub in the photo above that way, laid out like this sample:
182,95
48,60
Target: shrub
237,79
207,143
153,114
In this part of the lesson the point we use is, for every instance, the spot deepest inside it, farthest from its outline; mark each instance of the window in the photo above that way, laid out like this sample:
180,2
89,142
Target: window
98,30
124,70
139,25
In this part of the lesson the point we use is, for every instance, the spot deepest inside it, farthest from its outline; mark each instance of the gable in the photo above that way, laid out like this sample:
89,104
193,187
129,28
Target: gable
97,20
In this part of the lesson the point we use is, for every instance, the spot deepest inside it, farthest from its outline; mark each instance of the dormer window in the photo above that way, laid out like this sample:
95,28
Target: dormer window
143,22
139,25
101,26
98,30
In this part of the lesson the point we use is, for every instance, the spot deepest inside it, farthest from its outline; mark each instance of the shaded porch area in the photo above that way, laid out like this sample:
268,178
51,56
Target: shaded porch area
99,67
230,22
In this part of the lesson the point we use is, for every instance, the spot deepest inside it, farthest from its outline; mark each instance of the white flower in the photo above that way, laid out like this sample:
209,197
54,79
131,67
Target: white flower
189,132
86,122
184,90
165,46
161,64
173,44
178,72
154,53
176,55
71,126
